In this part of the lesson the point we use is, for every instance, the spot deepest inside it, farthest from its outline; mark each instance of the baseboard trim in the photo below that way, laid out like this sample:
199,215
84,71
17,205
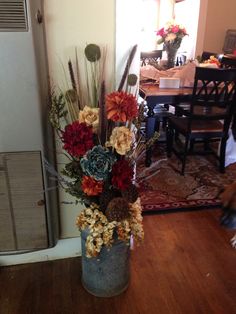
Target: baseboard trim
64,248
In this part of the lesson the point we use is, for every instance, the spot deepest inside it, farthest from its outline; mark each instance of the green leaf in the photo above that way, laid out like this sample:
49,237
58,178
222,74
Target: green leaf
160,41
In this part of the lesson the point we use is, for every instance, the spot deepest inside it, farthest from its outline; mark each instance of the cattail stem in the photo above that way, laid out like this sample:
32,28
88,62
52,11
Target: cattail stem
127,67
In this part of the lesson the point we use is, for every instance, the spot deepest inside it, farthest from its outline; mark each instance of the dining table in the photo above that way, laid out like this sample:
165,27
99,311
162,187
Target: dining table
154,95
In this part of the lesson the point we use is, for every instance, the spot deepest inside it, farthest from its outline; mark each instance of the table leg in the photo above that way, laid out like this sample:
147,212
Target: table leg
150,129
234,126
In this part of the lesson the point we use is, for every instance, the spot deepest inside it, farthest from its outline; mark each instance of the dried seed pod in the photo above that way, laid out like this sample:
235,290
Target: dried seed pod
132,79
117,209
130,194
92,52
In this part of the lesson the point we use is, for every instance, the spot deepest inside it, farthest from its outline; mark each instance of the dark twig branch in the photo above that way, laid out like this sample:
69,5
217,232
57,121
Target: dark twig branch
102,115
127,67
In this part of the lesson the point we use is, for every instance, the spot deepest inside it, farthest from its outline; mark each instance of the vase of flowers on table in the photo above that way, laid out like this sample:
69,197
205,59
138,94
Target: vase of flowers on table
171,36
100,135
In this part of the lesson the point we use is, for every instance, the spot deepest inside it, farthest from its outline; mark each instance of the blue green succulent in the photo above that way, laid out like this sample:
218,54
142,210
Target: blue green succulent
98,163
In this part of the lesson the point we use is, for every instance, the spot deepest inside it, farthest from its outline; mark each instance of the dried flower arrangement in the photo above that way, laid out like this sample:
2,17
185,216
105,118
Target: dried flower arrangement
102,141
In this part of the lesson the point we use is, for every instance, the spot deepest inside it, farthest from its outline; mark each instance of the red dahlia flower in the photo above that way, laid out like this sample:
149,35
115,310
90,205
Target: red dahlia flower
122,174
91,187
121,106
77,139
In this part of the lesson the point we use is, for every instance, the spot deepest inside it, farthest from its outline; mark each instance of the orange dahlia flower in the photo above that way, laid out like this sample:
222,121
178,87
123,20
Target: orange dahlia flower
121,107
91,187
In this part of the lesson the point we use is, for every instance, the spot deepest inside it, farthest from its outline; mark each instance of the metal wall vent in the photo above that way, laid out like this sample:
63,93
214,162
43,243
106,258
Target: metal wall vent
13,16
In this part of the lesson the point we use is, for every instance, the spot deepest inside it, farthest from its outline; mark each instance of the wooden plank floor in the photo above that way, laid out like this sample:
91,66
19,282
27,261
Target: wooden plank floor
186,265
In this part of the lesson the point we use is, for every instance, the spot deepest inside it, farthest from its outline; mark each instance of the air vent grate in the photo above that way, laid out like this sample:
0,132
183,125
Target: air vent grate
13,16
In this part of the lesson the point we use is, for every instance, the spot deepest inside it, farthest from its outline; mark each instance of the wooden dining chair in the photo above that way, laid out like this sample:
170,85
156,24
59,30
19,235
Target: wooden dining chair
150,57
208,118
161,112
228,62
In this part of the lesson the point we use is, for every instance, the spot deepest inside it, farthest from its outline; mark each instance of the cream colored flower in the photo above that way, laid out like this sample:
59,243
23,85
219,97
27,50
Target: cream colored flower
102,231
121,139
136,221
170,37
170,23
124,230
90,116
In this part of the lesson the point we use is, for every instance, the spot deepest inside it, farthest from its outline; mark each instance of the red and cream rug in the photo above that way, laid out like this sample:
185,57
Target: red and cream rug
162,187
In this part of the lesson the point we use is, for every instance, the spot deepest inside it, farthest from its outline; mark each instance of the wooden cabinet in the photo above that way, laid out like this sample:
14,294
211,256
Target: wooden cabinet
23,223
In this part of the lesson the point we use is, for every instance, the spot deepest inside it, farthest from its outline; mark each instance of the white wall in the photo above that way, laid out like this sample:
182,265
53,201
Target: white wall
187,14
77,23
166,12
128,29
149,17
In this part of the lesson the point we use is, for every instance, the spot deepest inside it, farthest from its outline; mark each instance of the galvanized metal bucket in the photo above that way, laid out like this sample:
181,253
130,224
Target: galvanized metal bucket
107,274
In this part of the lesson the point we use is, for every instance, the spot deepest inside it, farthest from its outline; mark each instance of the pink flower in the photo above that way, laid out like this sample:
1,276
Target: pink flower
161,32
175,29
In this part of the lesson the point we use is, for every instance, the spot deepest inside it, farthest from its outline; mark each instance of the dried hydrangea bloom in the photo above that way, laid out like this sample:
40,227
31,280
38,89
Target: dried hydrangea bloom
102,231
136,221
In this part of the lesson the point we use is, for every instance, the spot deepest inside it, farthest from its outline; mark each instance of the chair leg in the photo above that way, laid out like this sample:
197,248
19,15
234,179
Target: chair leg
191,147
169,139
222,154
206,145
185,155
164,123
157,124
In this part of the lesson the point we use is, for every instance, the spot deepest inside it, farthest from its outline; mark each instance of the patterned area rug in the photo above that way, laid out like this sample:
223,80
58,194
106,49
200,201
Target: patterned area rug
162,187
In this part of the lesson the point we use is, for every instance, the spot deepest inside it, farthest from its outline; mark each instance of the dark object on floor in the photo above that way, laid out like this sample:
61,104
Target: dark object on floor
228,199
209,117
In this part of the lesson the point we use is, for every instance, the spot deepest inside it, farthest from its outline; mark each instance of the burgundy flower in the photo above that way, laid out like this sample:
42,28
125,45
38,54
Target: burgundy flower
77,139
122,174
